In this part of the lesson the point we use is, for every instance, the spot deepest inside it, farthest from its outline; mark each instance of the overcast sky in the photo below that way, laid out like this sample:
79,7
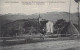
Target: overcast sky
36,6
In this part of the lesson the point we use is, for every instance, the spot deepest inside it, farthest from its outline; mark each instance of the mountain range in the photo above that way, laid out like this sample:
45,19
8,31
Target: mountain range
53,16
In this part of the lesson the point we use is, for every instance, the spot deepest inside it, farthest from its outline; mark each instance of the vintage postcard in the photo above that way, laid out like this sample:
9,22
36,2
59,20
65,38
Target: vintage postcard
39,25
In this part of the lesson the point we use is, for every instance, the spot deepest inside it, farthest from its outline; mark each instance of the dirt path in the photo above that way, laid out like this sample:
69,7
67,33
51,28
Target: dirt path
50,45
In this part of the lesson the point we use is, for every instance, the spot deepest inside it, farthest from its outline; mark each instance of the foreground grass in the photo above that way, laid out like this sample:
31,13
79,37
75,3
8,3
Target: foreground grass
49,45
32,40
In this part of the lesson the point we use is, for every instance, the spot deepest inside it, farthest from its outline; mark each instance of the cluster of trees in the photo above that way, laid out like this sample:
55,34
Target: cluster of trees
19,27
59,23
61,26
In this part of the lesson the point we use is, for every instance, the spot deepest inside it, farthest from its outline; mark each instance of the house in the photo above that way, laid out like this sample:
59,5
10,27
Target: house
49,27
46,25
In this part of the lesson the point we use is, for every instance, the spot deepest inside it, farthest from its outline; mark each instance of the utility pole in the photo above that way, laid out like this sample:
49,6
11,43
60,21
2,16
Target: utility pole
69,14
69,10
78,18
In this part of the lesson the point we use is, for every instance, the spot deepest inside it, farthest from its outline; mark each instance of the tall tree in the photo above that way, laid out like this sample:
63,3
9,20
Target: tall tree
59,25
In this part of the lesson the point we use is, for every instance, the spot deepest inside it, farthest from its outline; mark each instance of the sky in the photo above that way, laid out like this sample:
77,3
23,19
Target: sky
36,6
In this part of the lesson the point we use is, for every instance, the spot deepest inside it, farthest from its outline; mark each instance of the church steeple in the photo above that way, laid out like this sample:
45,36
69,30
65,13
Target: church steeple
39,18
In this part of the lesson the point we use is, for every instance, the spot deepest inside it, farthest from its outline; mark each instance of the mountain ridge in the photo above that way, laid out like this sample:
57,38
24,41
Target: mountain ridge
53,16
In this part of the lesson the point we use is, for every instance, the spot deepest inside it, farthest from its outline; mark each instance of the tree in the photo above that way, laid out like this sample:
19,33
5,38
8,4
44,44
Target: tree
42,27
59,25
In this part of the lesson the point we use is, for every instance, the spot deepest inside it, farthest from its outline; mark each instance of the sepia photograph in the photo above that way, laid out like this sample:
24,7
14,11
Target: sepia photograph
39,24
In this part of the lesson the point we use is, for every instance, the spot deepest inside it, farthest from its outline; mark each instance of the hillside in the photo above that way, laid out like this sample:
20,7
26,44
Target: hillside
49,15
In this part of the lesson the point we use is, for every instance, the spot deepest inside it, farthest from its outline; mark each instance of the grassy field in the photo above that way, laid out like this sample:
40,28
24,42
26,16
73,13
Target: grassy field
35,43
49,45
8,41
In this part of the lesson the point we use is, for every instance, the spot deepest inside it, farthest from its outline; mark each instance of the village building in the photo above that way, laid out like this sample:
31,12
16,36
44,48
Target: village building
49,27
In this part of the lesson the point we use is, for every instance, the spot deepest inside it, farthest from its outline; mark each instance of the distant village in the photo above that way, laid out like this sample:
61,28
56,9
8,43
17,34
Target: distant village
26,26
39,26
36,30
